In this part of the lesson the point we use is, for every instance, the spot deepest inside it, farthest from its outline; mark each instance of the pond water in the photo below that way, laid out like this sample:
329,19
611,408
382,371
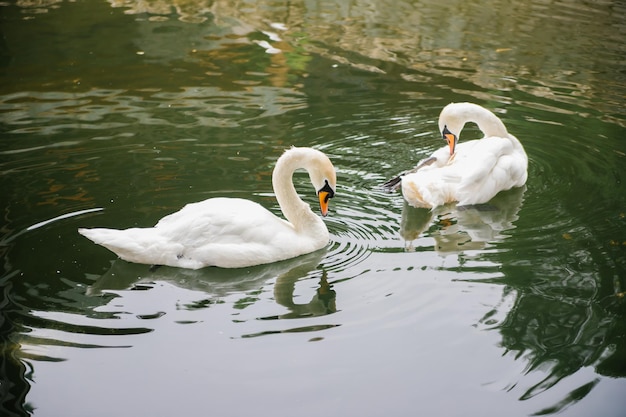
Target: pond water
116,113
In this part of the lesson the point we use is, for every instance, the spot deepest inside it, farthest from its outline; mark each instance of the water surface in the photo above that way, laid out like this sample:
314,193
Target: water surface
114,114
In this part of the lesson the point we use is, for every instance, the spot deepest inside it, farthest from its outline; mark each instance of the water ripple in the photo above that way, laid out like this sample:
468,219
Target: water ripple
364,221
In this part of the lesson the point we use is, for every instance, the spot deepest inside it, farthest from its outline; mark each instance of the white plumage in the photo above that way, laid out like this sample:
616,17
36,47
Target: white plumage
234,232
468,173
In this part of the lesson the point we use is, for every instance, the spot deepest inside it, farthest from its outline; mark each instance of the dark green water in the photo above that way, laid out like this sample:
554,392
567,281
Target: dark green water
116,113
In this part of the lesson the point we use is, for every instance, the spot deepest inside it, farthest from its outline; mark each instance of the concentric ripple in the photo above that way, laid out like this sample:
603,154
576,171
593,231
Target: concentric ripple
369,221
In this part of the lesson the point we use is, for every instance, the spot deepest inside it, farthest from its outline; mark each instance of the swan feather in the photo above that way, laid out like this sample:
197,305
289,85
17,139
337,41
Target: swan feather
233,232
475,172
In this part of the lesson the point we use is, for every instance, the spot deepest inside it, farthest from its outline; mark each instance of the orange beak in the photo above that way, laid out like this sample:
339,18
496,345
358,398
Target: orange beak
324,197
451,139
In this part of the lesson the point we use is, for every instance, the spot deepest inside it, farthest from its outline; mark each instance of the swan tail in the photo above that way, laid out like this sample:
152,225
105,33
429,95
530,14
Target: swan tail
427,195
393,184
140,245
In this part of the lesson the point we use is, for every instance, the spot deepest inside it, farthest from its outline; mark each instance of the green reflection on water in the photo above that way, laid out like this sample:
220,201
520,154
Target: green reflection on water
139,111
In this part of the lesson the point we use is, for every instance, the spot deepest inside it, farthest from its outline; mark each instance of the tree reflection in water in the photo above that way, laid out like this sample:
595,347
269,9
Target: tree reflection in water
564,316
15,374
562,323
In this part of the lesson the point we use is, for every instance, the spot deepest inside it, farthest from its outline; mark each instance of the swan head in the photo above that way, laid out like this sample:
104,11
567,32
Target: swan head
450,138
324,179
451,121
321,173
454,116
325,194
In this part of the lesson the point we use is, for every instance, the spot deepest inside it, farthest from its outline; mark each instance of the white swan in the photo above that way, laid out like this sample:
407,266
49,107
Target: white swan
234,232
468,173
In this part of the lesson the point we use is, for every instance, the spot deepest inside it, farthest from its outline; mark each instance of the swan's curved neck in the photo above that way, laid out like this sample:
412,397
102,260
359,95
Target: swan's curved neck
455,116
487,122
296,211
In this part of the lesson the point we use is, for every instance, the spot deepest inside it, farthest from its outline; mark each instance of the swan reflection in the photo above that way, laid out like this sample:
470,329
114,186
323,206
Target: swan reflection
322,303
458,228
218,283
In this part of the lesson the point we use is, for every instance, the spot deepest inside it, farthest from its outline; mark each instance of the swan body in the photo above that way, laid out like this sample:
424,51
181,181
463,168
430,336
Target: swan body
467,173
234,232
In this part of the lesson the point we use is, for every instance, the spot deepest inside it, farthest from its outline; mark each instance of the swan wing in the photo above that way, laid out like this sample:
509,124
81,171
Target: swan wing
488,166
215,220
229,232
234,233
478,171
